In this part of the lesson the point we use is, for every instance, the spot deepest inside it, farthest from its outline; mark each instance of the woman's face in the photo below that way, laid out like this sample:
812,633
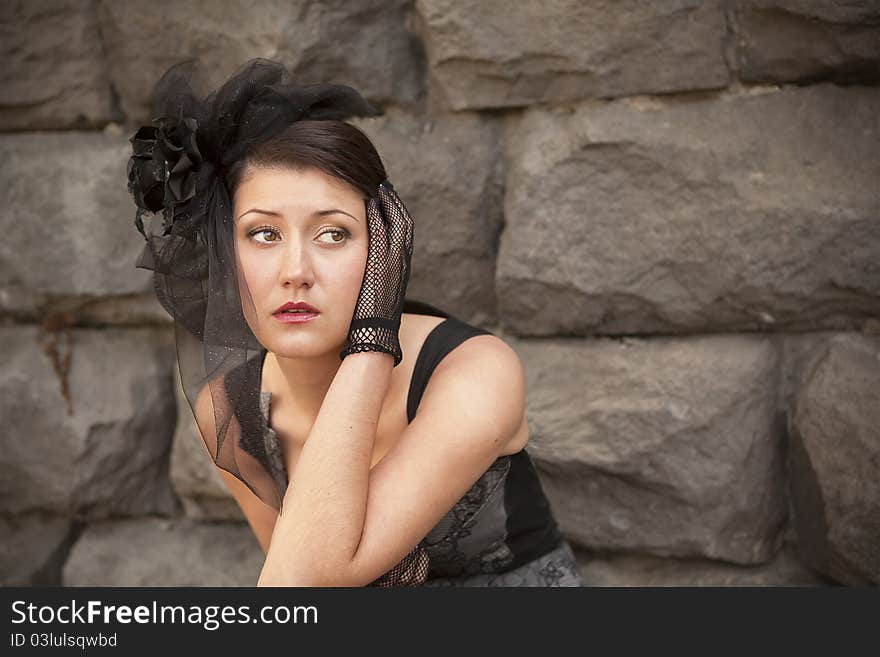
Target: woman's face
313,249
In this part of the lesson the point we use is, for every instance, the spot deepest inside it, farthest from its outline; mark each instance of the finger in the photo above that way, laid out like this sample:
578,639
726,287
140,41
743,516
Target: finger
401,236
400,221
378,230
395,208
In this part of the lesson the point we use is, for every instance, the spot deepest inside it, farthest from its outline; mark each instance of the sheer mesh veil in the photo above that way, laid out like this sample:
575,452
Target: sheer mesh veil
176,176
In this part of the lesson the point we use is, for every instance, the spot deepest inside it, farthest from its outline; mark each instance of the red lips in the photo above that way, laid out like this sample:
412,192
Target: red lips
297,305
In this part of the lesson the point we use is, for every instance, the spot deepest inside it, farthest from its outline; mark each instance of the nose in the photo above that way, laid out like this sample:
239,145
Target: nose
296,264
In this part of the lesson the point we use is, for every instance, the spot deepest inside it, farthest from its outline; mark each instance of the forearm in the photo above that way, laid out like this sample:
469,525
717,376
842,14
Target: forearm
320,527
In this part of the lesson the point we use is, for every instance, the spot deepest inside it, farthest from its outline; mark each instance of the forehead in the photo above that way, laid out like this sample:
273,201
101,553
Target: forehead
283,188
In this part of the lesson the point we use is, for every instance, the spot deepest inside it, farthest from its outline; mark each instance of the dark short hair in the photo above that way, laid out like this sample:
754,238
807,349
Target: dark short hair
337,148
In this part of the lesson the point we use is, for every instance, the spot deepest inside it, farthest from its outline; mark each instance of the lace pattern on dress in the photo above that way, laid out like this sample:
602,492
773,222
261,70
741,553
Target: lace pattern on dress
471,537
558,567
273,447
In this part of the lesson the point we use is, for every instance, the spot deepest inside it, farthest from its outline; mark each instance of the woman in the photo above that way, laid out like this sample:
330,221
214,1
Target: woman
284,259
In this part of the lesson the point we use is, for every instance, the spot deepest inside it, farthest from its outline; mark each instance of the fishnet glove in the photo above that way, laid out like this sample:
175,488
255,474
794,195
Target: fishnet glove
376,320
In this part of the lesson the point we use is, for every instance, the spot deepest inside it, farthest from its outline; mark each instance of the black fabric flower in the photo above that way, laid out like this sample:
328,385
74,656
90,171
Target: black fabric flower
164,167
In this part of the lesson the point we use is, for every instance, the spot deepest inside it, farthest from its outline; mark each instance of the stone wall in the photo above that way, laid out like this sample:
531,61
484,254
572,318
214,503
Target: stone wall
671,210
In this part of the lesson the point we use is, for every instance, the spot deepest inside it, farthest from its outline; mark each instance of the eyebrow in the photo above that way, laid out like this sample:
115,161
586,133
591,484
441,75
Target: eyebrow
317,213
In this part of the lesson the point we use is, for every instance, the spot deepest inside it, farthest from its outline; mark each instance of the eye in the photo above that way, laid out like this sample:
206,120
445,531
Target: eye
338,231
264,229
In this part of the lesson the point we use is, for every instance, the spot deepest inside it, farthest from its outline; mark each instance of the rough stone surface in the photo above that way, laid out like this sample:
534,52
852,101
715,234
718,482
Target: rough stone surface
54,71
131,310
104,453
746,212
807,40
64,204
33,548
364,44
669,446
785,569
834,460
182,552
483,55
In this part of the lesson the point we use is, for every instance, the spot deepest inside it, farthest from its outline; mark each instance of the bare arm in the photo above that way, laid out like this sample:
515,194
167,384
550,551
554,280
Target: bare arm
470,411
320,527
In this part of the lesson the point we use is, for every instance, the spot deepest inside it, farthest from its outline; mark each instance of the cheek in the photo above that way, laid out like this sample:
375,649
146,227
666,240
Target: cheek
252,271
353,273
345,272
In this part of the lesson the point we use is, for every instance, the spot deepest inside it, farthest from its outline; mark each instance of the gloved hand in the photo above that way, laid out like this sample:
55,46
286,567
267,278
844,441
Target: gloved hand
376,319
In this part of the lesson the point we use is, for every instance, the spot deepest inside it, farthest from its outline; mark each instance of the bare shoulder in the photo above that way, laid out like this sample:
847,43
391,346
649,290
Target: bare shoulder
486,367
486,349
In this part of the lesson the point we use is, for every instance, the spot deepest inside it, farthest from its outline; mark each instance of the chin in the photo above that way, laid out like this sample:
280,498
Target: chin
296,346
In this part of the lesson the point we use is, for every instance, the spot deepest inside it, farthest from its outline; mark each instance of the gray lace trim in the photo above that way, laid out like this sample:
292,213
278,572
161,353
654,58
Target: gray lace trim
273,446
558,567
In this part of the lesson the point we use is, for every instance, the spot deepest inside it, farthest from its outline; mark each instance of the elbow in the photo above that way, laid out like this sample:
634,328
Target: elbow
311,579
266,580
292,582
263,580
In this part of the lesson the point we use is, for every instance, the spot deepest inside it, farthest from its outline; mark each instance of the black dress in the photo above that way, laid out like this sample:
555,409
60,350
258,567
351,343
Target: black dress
501,532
